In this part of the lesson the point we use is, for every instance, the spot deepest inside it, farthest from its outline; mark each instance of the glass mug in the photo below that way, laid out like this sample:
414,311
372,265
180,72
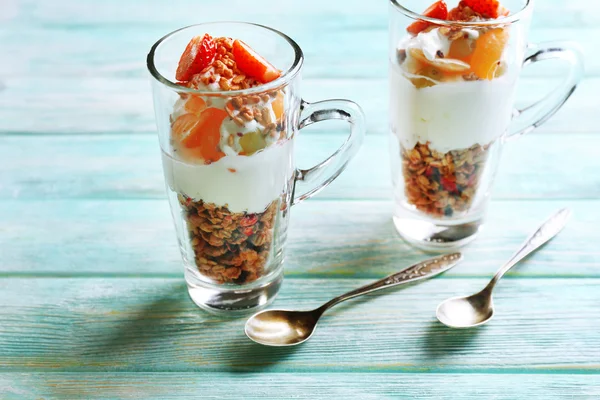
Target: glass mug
231,211
452,89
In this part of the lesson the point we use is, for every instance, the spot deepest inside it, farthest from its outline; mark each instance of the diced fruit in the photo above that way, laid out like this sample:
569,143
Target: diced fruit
488,52
252,142
487,8
252,64
183,125
462,49
438,10
199,54
443,64
249,220
195,104
278,106
448,185
206,134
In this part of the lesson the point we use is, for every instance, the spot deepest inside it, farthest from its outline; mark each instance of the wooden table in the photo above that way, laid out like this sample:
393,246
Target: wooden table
93,301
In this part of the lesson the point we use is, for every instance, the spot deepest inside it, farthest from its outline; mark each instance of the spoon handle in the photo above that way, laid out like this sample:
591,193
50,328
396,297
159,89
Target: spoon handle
545,232
423,270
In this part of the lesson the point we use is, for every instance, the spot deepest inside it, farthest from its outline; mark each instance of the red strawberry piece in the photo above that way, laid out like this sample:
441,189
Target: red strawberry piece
249,220
437,10
487,8
252,64
448,185
199,54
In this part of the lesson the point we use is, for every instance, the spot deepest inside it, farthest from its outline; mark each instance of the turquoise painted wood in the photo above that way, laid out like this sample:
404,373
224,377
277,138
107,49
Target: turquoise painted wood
258,385
537,166
93,301
134,324
359,240
102,106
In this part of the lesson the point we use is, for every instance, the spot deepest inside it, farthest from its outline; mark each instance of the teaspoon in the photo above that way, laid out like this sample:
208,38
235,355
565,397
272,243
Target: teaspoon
288,328
477,309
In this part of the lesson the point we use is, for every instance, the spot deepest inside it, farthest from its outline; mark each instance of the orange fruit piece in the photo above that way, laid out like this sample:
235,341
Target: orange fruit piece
461,49
195,104
182,125
278,106
206,134
487,53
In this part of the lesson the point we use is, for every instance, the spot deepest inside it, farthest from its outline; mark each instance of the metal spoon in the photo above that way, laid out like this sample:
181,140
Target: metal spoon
288,328
477,309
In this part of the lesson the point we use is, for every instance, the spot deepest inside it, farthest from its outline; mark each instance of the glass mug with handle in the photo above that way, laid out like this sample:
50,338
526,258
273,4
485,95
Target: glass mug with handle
227,146
453,74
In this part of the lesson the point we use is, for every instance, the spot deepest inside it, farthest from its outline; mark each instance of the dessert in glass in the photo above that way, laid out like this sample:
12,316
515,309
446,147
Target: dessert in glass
228,109
453,75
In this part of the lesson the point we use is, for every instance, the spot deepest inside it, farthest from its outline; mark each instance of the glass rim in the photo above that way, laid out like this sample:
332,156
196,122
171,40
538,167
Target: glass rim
498,21
283,80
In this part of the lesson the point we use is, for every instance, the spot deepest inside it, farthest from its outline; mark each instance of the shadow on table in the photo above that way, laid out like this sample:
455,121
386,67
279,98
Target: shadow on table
375,251
247,356
145,328
441,341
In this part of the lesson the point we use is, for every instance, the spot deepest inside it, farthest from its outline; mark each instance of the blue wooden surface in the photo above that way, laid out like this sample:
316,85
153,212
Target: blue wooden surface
93,301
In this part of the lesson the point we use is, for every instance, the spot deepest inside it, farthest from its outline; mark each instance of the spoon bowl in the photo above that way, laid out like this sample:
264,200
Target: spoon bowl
282,327
466,312
477,309
289,328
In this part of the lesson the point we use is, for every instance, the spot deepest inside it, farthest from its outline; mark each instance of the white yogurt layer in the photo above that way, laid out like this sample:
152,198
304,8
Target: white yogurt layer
451,115
429,42
241,183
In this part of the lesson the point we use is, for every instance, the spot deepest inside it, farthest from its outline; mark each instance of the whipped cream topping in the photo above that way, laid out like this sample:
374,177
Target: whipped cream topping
429,42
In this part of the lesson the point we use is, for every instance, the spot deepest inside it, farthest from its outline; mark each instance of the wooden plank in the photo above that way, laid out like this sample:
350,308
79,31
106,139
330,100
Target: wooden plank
65,14
326,239
124,105
111,325
119,51
257,385
103,105
68,14
544,166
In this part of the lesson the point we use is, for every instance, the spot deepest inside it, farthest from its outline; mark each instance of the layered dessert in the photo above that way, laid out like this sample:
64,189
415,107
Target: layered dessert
451,98
229,159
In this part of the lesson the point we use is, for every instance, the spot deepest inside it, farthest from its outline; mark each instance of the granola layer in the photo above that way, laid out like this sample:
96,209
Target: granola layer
442,184
229,247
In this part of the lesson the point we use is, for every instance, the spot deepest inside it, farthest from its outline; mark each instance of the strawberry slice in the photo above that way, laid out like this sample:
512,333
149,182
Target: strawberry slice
252,64
448,185
199,54
437,10
487,8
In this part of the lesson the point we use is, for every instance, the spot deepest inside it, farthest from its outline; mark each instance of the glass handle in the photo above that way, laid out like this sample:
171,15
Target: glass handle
313,180
527,119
